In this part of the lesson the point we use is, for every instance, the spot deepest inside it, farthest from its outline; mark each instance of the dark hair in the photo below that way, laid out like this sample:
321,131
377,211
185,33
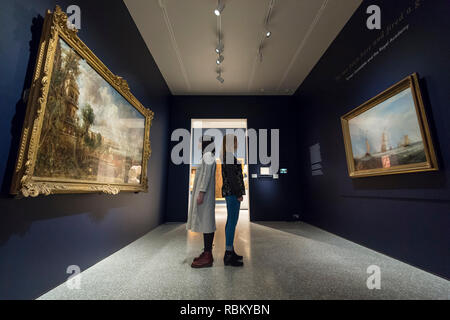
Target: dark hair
208,144
227,139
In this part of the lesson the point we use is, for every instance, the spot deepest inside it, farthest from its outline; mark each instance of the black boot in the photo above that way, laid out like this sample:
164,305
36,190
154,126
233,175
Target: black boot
230,259
238,257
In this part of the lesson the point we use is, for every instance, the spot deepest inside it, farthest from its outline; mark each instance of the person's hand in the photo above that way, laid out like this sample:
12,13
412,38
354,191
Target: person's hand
240,199
200,198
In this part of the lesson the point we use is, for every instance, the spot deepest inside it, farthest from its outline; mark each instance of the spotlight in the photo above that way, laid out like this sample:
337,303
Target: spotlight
259,52
219,48
219,75
219,9
220,59
268,34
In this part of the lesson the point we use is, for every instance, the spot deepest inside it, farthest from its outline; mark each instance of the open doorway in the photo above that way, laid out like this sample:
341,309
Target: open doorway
218,128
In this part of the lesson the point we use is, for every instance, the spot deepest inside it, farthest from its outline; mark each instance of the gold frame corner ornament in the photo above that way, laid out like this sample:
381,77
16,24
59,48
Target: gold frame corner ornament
431,163
24,183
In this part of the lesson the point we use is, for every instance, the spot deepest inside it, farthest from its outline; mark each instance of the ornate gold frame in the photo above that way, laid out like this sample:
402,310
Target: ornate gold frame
24,183
431,164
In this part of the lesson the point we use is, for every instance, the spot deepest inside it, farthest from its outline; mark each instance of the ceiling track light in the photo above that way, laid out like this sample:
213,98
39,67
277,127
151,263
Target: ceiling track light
219,75
219,48
267,21
219,9
267,31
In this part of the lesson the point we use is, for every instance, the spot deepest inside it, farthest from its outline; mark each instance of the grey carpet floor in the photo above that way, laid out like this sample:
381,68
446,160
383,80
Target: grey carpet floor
282,261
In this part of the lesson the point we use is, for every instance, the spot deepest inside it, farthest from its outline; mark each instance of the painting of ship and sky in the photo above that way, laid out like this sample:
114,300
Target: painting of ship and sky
90,131
387,135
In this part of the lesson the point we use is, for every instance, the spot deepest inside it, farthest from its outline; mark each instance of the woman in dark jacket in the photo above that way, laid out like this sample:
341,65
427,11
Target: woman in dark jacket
233,190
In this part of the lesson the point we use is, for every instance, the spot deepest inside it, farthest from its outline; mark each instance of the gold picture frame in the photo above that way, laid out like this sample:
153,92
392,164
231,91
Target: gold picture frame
25,181
389,134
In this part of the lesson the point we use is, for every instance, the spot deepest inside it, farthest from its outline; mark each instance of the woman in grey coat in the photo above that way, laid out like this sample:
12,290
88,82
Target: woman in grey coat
201,216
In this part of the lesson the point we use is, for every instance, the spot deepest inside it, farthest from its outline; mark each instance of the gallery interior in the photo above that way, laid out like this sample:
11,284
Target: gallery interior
94,206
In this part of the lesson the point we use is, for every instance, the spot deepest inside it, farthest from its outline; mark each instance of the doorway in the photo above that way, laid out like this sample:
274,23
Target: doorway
218,128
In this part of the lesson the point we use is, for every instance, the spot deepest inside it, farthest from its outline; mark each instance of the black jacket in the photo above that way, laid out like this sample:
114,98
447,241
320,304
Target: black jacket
233,179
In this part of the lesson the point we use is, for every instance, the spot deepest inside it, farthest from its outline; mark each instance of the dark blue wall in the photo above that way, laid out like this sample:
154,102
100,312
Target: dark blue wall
268,197
404,216
40,238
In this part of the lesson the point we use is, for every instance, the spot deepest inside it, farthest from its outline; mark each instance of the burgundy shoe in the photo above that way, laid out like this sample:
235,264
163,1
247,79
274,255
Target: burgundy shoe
204,261
195,259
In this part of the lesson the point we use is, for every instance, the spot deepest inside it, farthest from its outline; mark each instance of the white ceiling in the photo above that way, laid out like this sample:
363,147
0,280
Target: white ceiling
219,123
182,35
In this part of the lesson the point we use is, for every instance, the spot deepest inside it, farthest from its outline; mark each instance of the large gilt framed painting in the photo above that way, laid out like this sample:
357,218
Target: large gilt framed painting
84,130
389,134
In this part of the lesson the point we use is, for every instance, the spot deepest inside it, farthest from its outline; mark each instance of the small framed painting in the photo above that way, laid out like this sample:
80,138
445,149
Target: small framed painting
389,134
84,131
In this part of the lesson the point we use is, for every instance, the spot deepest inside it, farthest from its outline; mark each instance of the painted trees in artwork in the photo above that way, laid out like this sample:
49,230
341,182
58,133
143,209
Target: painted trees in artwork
67,145
93,141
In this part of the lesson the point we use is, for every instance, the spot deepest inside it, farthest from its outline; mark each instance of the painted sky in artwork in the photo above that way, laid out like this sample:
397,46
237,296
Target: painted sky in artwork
396,117
114,115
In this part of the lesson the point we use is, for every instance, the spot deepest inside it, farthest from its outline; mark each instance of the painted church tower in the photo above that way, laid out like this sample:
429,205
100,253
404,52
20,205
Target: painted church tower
72,93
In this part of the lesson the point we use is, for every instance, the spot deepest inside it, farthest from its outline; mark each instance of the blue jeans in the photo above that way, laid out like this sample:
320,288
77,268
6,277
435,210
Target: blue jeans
233,208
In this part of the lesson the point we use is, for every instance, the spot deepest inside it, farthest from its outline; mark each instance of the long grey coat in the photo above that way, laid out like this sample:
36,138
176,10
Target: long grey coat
201,218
